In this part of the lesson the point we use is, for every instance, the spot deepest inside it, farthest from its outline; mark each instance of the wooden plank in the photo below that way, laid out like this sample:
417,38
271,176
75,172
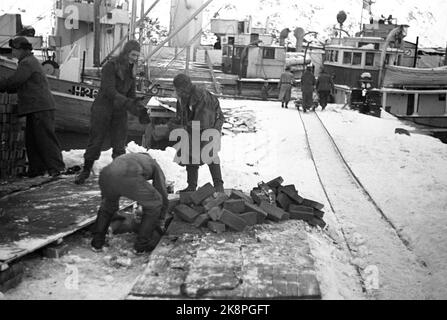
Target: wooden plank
37,217
270,261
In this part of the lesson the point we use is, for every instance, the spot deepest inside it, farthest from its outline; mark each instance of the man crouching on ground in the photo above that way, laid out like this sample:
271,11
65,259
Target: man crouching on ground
128,176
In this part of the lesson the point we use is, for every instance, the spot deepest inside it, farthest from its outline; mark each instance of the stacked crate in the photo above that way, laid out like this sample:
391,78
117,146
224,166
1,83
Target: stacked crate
12,138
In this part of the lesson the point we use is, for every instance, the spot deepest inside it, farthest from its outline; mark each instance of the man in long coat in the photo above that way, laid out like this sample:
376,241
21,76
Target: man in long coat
285,87
307,88
324,86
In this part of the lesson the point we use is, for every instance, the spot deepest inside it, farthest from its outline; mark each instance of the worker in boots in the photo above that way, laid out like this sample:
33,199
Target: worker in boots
197,104
36,103
115,98
285,87
325,87
307,88
128,176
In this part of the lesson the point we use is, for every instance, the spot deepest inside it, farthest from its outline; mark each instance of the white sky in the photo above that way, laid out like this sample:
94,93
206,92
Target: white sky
432,32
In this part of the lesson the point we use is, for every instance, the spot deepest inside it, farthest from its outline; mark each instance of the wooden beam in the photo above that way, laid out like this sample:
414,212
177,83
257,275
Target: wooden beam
416,103
97,35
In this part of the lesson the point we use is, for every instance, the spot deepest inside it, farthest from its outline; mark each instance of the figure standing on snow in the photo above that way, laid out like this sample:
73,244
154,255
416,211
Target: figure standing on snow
127,176
115,98
197,104
285,87
37,104
325,87
307,88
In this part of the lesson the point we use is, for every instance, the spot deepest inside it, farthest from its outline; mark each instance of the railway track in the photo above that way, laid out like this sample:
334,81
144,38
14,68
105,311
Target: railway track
383,257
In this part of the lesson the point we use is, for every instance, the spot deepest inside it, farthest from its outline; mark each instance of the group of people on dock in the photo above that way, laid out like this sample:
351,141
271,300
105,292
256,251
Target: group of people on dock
128,174
324,85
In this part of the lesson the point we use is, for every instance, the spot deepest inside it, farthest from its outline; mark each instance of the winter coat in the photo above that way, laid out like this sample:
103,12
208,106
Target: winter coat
202,106
117,92
307,81
325,82
31,85
285,85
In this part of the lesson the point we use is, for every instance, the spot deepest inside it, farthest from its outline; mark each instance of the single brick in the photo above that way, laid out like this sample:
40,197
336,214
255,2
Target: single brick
237,194
185,197
55,251
11,283
217,227
275,183
201,220
283,201
301,213
313,204
258,196
214,202
186,213
215,213
251,218
261,214
273,212
291,192
318,213
317,222
234,205
198,209
11,272
232,220
204,192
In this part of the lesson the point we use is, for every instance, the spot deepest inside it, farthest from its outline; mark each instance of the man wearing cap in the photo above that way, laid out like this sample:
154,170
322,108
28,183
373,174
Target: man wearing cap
115,98
324,86
37,104
197,104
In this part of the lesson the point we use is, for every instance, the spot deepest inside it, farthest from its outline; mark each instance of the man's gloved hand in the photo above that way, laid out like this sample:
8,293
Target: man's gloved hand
143,116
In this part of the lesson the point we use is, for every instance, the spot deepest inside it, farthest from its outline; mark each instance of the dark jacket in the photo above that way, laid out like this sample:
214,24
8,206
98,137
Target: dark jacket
325,82
31,85
117,92
140,165
307,81
202,106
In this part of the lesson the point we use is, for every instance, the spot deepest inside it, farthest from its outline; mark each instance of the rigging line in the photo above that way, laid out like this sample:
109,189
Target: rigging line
184,48
330,203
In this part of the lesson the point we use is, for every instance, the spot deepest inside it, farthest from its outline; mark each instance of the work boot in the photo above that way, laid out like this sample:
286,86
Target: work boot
85,174
146,242
192,176
100,230
216,174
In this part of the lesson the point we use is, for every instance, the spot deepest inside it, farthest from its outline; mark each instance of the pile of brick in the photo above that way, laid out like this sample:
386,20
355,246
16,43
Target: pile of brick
12,138
235,210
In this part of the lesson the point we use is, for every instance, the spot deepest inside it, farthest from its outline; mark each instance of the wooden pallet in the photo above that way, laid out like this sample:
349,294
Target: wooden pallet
32,219
270,261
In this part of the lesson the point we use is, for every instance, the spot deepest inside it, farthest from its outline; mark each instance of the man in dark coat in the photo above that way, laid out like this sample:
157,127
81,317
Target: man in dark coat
128,176
37,104
324,86
307,88
198,104
285,87
109,111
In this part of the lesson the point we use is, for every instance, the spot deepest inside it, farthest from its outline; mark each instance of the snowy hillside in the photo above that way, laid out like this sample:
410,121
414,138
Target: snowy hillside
426,19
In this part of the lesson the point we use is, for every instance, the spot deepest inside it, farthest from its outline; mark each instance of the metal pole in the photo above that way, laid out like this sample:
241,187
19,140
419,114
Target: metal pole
141,24
83,67
416,53
173,34
97,35
133,19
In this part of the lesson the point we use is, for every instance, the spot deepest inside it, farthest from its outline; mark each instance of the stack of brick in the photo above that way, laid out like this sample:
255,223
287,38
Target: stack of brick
235,210
12,138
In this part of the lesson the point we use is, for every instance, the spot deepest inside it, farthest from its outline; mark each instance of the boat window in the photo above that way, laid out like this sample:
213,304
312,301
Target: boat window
347,57
369,59
357,58
442,97
387,59
268,53
238,52
335,57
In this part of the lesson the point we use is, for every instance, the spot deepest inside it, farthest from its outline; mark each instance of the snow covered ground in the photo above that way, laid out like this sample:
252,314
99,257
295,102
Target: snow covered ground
406,176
